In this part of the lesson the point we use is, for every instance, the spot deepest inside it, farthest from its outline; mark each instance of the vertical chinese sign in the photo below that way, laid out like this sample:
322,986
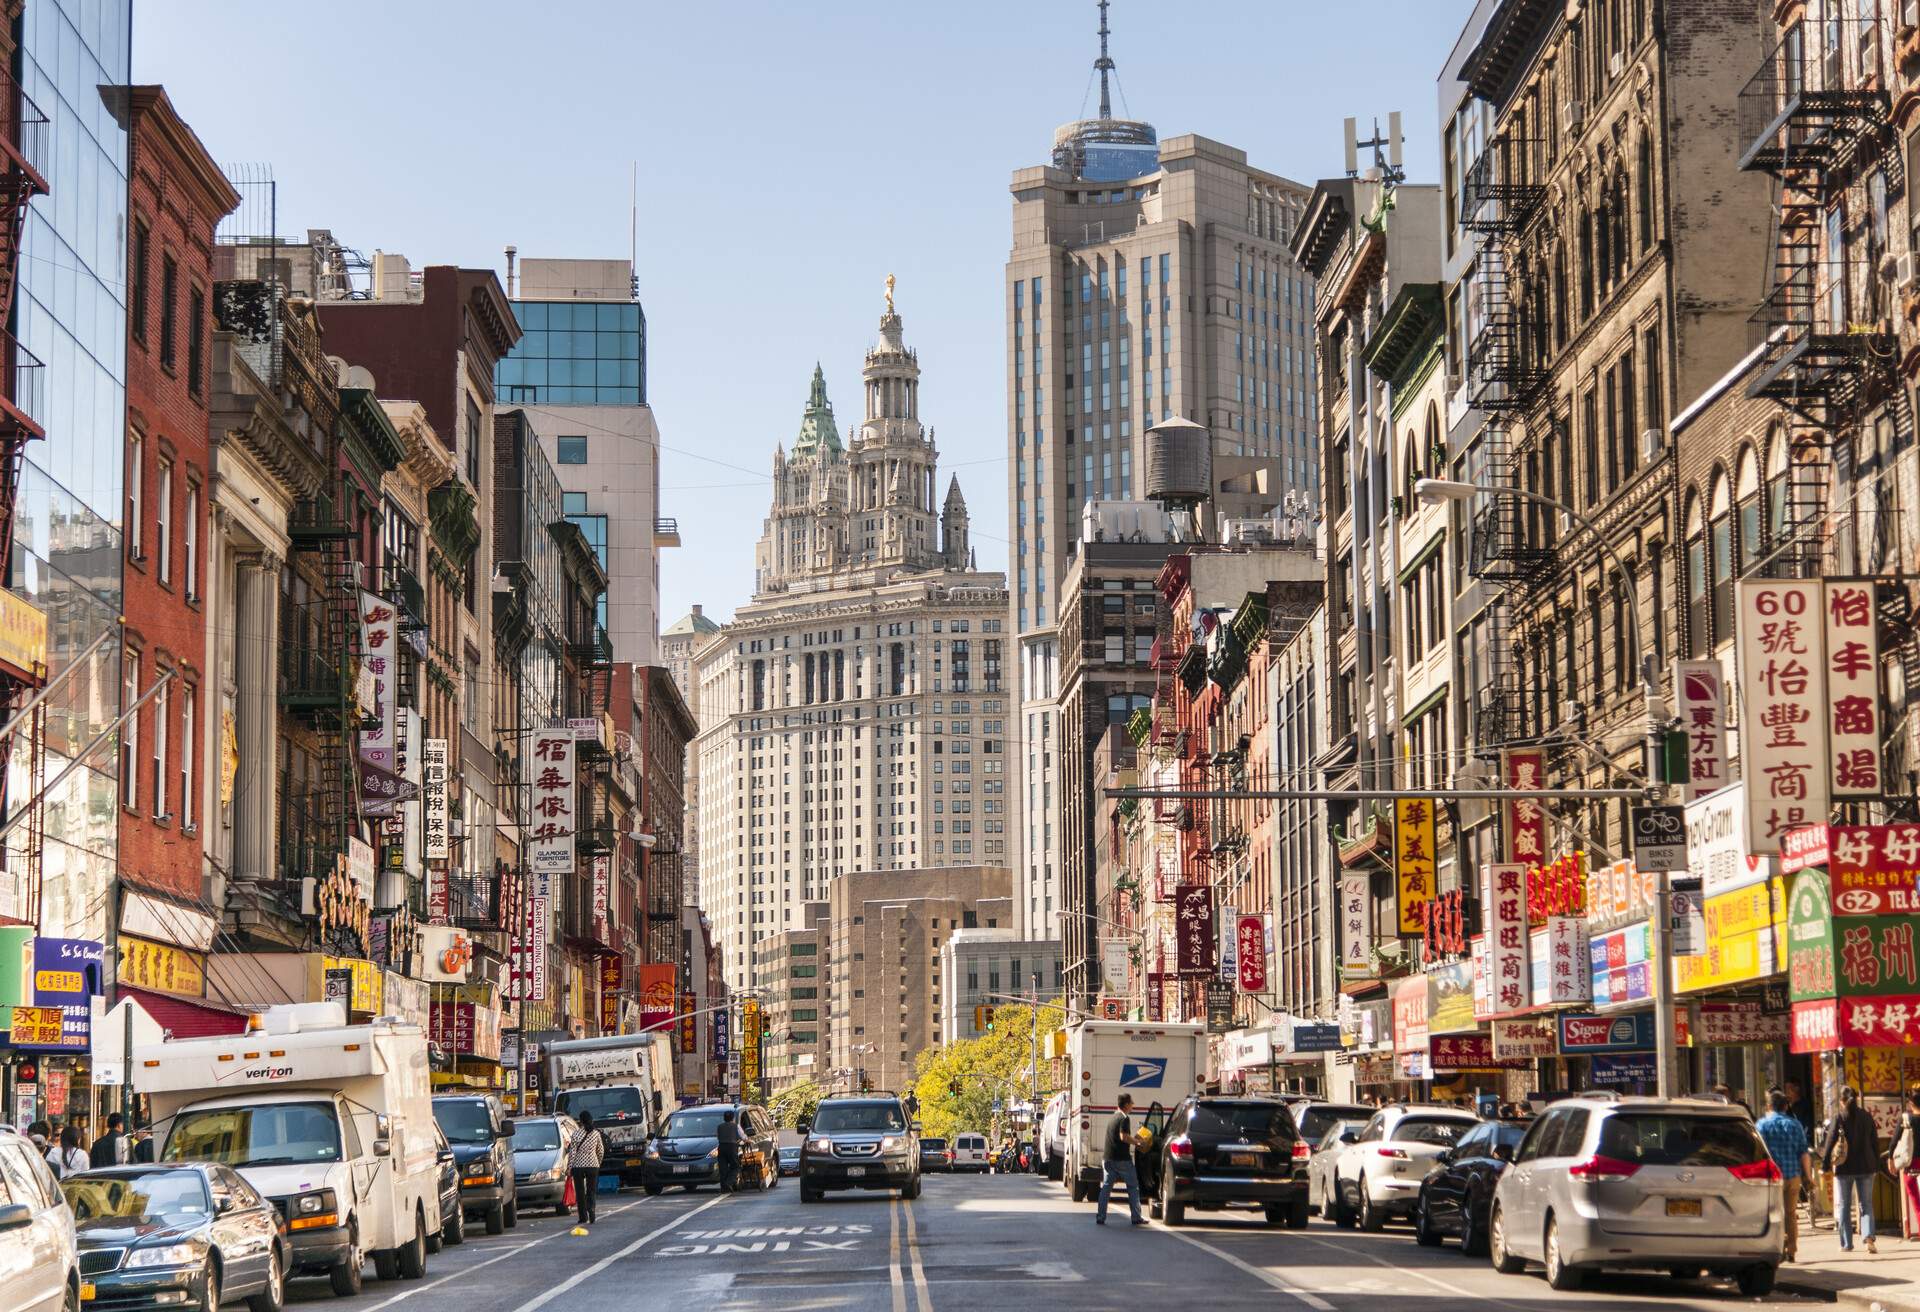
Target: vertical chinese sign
1700,696
602,886
689,1024
1356,933
750,1030
549,836
612,977
1526,823
1508,948
1413,860
434,817
1252,954
380,784
1853,689
1193,913
1783,730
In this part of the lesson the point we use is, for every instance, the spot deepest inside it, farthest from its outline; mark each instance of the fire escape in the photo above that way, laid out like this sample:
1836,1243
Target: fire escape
1506,372
320,640
1815,117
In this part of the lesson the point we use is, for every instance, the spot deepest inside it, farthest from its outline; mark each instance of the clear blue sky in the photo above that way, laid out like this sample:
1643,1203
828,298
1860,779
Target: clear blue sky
791,156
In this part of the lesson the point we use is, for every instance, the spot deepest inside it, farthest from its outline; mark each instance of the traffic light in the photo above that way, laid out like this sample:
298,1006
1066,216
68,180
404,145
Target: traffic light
953,1088
983,1020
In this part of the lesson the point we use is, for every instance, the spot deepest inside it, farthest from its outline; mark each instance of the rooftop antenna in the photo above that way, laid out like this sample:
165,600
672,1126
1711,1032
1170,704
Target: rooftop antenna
633,236
1386,151
1104,64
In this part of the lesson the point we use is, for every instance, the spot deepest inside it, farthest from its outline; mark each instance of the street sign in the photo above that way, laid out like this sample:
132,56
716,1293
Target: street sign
1219,1006
1660,837
1686,921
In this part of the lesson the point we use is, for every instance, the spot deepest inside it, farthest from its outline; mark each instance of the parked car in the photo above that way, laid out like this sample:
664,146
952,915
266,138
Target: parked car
1456,1197
1378,1175
935,1155
1326,1151
39,1261
1682,1185
1052,1140
687,1150
861,1141
540,1161
453,1217
481,1133
1218,1152
970,1153
790,1160
192,1234
1313,1116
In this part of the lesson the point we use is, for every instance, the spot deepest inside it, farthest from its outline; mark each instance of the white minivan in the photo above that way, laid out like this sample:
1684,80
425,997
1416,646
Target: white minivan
970,1152
39,1268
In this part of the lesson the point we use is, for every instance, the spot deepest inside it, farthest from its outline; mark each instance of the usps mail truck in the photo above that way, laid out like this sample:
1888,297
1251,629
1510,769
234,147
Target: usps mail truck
331,1122
1157,1064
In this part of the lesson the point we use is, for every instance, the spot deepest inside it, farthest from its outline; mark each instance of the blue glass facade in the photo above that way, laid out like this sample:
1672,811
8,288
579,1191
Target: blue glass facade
70,312
576,353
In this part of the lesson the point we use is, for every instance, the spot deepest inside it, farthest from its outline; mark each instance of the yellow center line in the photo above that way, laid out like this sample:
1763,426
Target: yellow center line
893,1256
913,1255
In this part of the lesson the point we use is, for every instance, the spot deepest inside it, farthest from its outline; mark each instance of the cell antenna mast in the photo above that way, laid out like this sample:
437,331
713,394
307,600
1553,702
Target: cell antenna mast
1386,150
1104,64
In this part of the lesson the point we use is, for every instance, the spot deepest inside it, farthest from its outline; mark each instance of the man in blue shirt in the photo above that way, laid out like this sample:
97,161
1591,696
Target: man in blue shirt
1786,1141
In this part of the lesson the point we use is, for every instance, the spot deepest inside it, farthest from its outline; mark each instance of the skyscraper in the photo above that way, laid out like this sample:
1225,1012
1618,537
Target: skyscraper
1141,285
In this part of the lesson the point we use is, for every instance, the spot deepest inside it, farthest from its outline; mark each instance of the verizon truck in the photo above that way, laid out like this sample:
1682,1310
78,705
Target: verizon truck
626,1081
1157,1064
332,1122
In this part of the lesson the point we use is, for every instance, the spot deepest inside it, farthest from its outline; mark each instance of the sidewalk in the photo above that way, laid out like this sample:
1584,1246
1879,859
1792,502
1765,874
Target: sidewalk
1889,1279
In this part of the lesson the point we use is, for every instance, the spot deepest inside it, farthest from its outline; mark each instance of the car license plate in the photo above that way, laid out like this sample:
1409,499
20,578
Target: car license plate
1243,1159
1683,1207
856,1170
681,1170
86,1292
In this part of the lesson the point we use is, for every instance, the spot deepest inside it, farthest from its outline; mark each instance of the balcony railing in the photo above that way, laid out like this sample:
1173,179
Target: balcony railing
1819,99
25,130
27,382
1499,193
1825,333
1502,373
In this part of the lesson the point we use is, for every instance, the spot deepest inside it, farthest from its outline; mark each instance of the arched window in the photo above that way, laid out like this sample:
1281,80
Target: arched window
1746,500
1776,487
1434,453
1626,637
1559,296
1410,473
1720,558
1586,264
1622,226
1695,583
1645,190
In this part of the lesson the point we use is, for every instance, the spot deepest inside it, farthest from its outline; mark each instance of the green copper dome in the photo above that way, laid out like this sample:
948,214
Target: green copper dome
817,429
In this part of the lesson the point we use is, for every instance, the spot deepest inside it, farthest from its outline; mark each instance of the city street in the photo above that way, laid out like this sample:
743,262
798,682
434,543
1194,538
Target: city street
969,1241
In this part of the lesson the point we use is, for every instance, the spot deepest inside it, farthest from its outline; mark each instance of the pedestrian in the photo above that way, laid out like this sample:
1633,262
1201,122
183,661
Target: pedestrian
1850,1152
1786,1141
1797,1106
112,1148
143,1146
728,1135
1901,1162
584,1156
69,1158
41,1133
1118,1164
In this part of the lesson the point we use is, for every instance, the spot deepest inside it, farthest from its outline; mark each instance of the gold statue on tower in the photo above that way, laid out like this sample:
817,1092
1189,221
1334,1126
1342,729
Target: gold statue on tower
889,293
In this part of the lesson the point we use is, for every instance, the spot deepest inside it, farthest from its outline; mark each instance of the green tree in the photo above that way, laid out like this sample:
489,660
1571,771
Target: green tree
795,1103
997,1065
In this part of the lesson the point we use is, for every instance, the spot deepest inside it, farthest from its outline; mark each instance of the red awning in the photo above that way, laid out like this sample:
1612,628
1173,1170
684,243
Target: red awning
189,1018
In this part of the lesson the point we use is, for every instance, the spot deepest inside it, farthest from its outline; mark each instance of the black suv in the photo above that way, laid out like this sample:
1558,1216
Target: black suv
481,1135
861,1141
687,1151
1222,1152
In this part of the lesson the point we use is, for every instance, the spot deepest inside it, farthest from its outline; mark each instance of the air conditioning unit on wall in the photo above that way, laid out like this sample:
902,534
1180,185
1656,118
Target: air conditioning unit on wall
1652,443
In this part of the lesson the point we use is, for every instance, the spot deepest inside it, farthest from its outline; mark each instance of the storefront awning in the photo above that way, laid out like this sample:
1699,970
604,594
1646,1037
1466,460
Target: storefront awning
189,1018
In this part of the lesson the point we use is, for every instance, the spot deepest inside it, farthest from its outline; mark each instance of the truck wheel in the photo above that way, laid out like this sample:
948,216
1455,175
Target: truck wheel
349,1273
809,1195
912,1191
386,1263
511,1215
413,1256
1078,1190
454,1231
496,1219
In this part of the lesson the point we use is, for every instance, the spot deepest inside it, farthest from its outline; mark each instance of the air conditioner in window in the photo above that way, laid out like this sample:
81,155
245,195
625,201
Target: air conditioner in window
1576,115
1563,522
1898,269
1616,63
1910,13
1652,442
1572,712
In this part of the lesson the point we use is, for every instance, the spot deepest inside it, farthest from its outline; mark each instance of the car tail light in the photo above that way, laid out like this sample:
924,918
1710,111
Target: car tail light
1301,1152
1180,1148
1399,1154
1761,1172
1599,1170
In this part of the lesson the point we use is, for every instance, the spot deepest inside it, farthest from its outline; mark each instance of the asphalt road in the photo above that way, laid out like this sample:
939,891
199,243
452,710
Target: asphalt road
1009,1243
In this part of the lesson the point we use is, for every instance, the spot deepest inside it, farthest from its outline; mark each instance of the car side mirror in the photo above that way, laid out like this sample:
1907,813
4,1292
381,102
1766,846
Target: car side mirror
15,1216
226,1204
446,1155
1350,1136
805,1127
383,1147
506,1127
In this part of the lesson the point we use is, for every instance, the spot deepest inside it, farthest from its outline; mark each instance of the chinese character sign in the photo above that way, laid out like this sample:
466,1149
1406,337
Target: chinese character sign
1853,690
689,1024
602,881
1252,954
1876,869
720,1030
1356,925
1508,948
1783,730
749,1043
1193,914
433,779
1700,696
1414,863
1526,823
1571,973
551,820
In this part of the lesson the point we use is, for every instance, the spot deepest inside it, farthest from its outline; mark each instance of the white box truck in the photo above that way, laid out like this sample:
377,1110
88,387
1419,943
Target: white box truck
1159,1064
332,1122
626,1081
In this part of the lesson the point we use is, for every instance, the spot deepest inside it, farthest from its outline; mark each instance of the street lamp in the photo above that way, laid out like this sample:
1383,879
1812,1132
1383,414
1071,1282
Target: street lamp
1433,492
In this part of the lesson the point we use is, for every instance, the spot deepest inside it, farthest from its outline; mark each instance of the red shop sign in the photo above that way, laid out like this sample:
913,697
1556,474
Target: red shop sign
1816,1026
1875,869
1250,951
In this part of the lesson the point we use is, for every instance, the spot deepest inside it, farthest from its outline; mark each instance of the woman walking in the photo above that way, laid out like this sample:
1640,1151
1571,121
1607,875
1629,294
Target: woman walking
1905,1169
1851,1154
584,1156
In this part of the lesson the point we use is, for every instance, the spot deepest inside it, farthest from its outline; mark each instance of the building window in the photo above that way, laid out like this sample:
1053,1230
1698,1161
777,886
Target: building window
573,451
189,736
473,443
163,522
190,540
169,299
160,728
130,737
196,339
137,293
135,486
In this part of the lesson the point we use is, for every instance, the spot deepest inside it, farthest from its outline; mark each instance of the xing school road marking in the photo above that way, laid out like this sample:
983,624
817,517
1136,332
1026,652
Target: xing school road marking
767,1239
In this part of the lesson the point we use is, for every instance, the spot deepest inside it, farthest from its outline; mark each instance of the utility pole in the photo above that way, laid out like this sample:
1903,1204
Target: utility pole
1033,1032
